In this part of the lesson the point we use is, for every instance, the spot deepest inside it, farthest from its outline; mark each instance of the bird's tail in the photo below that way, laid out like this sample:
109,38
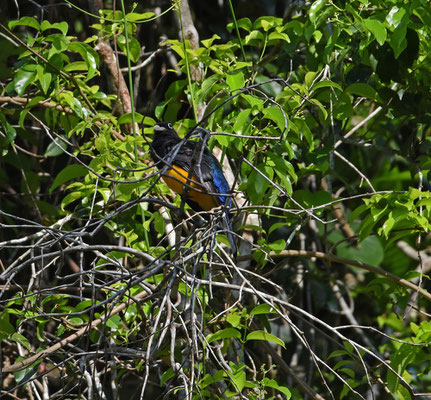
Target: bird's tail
228,231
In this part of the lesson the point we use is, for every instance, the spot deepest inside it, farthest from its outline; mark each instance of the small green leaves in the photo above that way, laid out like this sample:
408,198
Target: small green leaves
397,211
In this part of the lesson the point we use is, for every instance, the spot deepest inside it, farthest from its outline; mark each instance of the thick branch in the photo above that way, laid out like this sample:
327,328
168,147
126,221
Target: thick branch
107,55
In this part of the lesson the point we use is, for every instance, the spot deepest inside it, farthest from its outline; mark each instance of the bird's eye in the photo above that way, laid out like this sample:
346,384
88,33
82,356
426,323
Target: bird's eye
170,126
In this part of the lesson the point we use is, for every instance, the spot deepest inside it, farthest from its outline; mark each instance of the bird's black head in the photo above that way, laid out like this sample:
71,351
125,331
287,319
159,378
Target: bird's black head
165,138
164,128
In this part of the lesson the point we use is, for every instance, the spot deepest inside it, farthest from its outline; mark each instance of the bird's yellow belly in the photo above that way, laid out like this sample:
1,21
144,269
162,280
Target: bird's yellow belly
176,178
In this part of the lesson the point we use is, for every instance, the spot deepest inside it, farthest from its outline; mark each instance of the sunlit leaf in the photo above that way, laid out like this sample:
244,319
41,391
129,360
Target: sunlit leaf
377,29
262,335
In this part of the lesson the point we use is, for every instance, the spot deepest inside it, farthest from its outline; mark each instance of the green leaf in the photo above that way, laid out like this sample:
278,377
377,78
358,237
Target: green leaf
315,9
369,251
262,309
286,182
26,21
279,36
55,148
123,192
377,29
243,23
127,118
363,90
398,40
273,384
254,38
68,173
234,318
139,17
326,83
60,44
22,79
207,87
226,333
61,26
240,124
166,376
309,78
88,54
6,328
134,49
257,184
267,22
73,103
44,78
304,131
277,246
343,107
238,376
235,81
254,102
114,322
9,129
209,379
387,226
278,116
262,335
358,211
22,340
208,42
282,165
395,16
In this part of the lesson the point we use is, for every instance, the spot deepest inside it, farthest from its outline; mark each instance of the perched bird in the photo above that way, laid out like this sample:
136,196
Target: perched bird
207,186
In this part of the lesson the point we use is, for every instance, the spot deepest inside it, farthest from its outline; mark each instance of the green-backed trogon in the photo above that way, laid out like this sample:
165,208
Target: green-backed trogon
207,186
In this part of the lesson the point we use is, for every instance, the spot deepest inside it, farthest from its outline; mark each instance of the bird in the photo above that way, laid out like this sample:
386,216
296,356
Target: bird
207,186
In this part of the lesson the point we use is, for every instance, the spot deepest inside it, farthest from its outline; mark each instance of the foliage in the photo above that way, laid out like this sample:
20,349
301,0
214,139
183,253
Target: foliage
322,119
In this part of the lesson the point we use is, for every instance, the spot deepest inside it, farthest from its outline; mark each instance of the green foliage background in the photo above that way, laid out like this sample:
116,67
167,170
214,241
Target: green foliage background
320,114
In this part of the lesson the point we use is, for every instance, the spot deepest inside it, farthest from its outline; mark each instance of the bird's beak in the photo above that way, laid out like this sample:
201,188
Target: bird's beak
158,128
